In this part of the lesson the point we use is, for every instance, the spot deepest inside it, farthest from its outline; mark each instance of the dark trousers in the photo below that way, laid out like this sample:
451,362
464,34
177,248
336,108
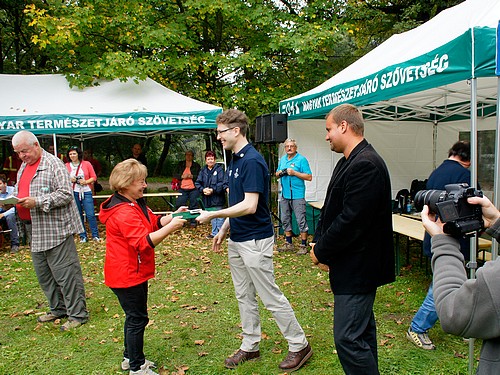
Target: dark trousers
60,277
355,333
134,302
188,195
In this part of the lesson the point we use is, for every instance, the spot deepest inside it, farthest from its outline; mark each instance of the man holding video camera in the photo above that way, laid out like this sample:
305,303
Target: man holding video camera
293,170
453,170
468,308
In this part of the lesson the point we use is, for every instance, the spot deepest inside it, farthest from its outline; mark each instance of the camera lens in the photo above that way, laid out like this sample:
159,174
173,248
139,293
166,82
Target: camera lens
429,198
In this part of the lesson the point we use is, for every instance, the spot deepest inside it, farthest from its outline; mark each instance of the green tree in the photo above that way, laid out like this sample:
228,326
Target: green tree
248,54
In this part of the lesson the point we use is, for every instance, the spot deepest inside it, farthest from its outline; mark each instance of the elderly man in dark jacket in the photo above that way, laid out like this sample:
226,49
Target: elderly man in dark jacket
354,238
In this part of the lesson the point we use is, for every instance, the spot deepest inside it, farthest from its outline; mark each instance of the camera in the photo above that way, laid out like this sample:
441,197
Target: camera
78,179
460,218
282,173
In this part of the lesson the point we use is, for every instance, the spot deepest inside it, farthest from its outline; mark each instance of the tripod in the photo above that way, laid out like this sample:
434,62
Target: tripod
271,164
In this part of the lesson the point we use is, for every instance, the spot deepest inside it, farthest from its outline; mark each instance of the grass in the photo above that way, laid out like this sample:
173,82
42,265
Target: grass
195,321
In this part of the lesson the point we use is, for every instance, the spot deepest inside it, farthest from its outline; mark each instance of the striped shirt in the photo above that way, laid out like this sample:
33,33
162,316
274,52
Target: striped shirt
55,215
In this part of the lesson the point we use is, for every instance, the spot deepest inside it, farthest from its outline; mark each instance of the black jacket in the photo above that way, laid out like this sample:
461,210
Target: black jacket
354,235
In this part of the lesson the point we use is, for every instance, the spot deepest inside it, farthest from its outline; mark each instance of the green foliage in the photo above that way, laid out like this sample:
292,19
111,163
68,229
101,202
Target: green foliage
18,53
246,54
194,319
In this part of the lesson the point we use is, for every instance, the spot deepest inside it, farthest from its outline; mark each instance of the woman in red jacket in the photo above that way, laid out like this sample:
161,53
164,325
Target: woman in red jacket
132,232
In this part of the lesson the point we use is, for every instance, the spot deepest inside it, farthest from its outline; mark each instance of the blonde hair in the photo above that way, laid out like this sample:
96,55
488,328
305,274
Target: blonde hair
125,173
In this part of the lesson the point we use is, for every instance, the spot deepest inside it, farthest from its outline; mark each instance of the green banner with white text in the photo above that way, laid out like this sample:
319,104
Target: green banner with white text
447,64
109,123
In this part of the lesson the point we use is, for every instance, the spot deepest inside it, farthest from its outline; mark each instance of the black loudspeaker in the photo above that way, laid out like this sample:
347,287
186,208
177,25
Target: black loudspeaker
271,128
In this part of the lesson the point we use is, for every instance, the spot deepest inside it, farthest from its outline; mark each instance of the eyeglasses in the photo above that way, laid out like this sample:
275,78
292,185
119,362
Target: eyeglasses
225,130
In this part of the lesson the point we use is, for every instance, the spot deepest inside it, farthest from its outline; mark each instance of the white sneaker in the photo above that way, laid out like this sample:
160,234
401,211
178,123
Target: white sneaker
126,364
143,371
83,240
96,239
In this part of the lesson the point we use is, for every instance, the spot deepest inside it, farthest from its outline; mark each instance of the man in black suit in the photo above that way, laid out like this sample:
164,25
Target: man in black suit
354,238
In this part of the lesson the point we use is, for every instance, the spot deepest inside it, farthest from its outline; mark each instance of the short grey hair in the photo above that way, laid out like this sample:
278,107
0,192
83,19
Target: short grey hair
24,136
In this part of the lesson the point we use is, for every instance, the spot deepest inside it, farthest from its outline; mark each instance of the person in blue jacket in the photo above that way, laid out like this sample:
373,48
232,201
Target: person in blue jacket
453,170
210,183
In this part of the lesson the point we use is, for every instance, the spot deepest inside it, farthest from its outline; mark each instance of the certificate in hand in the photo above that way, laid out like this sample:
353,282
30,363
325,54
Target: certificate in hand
187,215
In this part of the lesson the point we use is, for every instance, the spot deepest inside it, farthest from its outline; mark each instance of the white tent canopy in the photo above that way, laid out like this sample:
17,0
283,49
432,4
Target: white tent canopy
415,92
46,104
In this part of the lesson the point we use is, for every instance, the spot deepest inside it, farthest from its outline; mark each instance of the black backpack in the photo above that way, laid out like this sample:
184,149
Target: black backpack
417,185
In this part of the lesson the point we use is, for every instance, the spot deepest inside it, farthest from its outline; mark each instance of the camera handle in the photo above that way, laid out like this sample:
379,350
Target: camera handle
471,265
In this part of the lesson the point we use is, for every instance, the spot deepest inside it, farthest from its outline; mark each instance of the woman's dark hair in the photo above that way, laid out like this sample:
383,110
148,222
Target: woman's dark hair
210,153
78,151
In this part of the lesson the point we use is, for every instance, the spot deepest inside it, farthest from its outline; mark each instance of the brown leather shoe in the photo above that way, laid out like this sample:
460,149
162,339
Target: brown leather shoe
239,357
295,360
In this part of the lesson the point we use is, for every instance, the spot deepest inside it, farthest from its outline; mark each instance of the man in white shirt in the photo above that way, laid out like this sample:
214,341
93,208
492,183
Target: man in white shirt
8,215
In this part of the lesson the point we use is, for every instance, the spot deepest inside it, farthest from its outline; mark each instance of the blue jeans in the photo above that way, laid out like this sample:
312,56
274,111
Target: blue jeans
87,204
217,223
426,317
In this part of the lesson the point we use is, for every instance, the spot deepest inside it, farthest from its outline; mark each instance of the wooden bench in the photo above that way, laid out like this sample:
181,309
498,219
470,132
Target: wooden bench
2,237
411,227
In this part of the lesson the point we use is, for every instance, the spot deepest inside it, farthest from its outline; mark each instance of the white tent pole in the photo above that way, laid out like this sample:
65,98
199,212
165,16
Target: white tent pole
225,159
496,183
434,144
54,141
473,161
473,179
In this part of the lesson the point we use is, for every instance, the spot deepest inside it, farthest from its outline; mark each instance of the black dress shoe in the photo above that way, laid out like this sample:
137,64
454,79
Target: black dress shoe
240,357
295,360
